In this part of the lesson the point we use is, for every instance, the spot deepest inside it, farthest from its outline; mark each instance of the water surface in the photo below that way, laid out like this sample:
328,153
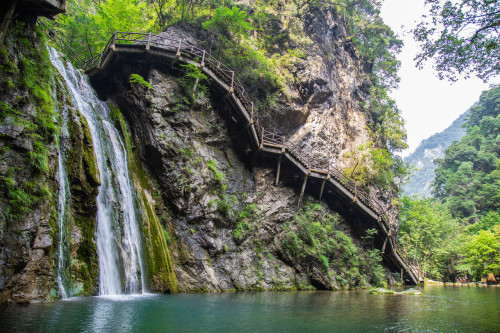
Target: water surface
439,309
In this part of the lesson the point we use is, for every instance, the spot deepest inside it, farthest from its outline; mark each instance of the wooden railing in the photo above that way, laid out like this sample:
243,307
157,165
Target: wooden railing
183,48
61,44
309,160
412,265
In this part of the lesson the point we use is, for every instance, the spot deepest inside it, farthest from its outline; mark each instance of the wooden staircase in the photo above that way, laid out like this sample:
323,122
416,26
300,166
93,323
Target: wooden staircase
170,51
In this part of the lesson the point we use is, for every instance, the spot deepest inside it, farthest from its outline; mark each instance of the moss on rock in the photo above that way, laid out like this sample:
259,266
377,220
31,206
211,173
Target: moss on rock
161,273
83,177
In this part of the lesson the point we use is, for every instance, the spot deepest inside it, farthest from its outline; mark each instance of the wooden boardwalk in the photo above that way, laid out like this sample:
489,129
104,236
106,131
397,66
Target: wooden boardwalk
170,50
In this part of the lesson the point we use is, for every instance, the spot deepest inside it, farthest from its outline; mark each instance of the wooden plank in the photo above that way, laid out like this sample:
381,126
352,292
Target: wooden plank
272,145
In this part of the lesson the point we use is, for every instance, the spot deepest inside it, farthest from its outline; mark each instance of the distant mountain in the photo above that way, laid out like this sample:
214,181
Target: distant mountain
428,150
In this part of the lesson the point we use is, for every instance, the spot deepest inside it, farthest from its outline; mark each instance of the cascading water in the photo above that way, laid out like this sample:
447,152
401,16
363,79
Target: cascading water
62,210
119,244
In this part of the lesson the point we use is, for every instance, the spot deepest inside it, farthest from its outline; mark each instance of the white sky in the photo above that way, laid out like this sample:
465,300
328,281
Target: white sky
428,104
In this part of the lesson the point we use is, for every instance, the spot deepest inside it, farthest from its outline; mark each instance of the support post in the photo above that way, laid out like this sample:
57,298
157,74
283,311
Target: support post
149,42
323,186
278,172
385,244
178,53
202,64
302,191
402,276
261,138
100,60
113,43
251,116
231,90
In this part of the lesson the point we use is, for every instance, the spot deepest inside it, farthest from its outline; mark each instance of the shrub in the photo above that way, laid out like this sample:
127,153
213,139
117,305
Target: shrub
136,78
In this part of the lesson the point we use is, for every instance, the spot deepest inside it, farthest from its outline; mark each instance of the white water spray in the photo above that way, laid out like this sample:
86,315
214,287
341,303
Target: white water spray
63,211
118,237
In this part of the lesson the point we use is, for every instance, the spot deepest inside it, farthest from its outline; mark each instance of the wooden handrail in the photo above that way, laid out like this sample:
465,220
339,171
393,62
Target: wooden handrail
308,160
227,75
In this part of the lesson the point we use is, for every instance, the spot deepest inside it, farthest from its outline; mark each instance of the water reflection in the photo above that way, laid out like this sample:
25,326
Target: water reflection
439,309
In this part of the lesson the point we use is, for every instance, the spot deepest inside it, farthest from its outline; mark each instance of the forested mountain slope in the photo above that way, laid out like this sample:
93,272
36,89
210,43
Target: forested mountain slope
457,233
468,177
422,159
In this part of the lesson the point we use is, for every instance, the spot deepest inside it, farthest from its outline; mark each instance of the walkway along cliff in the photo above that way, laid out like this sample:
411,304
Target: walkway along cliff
158,51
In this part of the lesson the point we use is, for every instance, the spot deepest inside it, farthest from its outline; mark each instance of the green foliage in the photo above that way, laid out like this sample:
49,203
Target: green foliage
468,181
461,37
88,25
468,177
388,125
490,220
429,235
194,81
376,166
21,196
219,176
136,78
312,234
244,223
38,157
227,205
482,253
231,22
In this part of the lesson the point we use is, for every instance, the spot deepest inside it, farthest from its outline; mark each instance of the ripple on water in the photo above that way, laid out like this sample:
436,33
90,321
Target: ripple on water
437,310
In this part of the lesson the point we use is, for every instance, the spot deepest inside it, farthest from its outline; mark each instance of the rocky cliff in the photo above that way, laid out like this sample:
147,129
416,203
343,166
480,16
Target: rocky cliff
229,227
199,188
34,102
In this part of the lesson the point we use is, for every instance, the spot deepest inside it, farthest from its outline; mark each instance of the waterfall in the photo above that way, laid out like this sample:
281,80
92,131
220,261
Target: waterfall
63,211
118,236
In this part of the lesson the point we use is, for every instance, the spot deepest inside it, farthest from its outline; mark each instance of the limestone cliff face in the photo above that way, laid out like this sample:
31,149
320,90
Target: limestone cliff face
322,110
33,101
228,225
199,187
227,221
28,167
330,85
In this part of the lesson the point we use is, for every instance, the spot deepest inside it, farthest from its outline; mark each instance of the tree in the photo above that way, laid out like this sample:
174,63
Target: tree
482,253
462,37
88,25
230,22
429,235
468,177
